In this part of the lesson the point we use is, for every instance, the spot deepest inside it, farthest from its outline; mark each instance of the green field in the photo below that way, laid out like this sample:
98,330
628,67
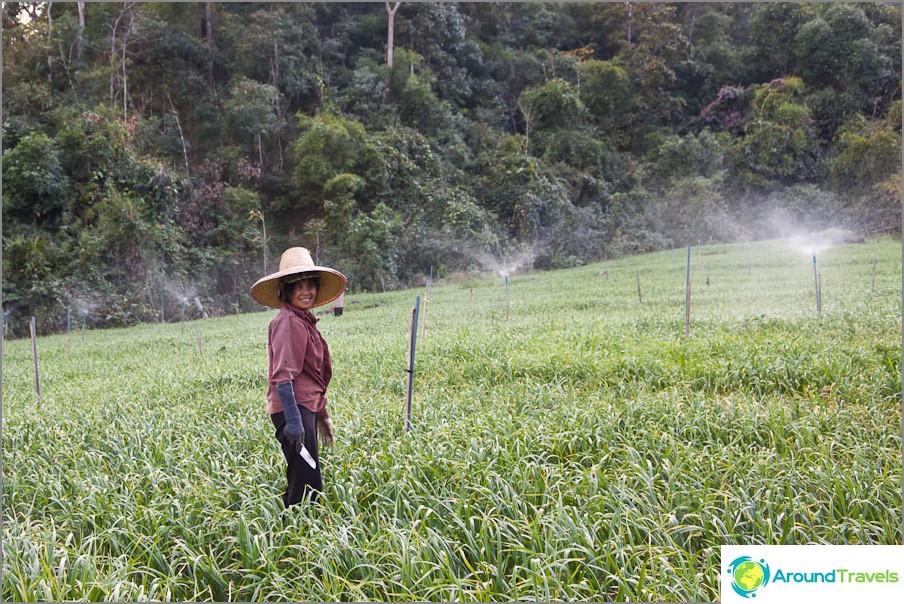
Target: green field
581,448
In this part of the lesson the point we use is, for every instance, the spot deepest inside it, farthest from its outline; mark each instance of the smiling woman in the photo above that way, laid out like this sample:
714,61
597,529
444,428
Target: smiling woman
300,367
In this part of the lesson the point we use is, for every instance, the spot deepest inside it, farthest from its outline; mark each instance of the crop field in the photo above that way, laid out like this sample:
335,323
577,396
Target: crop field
576,447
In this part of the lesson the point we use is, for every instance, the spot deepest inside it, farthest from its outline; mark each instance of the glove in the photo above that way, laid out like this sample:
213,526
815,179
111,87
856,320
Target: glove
293,430
325,431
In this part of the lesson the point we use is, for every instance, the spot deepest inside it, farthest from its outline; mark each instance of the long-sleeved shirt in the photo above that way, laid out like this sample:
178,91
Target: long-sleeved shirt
297,353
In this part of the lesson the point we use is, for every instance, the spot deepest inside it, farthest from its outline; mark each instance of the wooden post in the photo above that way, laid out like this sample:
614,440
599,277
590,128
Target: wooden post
34,353
412,345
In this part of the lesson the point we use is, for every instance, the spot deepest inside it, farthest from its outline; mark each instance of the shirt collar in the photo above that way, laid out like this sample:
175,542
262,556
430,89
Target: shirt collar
305,315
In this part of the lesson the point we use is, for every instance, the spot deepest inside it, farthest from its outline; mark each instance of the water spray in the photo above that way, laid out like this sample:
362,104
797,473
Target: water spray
34,353
412,344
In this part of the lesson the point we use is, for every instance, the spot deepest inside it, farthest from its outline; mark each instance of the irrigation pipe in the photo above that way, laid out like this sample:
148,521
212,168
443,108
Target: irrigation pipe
34,352
412,345
506,299
816,285
687,297
198,331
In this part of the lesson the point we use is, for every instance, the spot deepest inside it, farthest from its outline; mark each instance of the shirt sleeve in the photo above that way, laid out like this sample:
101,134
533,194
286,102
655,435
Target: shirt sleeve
288,343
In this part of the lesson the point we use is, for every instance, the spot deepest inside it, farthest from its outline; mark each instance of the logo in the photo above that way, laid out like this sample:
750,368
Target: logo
748,575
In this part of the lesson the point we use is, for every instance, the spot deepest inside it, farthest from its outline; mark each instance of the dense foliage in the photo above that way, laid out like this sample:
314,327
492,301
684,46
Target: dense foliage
157,152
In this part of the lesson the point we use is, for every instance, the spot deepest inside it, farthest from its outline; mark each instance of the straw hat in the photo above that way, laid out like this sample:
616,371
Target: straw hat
293,261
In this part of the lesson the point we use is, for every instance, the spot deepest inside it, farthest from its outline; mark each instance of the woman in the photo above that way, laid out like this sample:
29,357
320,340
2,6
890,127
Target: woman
299,365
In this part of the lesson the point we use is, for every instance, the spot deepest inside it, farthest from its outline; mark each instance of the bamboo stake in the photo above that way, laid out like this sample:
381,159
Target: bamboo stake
34,352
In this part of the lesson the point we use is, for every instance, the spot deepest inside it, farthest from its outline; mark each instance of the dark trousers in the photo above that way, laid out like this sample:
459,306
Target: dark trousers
300,477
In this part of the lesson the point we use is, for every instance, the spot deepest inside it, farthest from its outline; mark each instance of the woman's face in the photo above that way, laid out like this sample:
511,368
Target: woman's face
304,294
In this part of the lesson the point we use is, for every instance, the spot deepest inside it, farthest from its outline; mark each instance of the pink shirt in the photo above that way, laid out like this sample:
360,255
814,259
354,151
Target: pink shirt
297,353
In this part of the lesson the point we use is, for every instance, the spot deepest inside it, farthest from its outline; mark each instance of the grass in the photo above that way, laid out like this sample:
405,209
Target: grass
582,449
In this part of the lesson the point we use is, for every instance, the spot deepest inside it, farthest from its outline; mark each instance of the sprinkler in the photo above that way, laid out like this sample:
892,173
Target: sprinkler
162,315
182,323
84,321
68,330
639,296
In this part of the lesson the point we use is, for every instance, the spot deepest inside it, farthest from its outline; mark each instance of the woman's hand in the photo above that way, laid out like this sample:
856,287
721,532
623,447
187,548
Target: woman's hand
325,431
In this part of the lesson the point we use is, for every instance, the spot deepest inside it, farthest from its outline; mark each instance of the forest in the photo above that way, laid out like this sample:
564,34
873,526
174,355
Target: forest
158,153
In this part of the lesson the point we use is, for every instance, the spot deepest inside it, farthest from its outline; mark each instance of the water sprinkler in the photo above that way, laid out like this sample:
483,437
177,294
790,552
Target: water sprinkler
84,321
162,315
182,323
68,330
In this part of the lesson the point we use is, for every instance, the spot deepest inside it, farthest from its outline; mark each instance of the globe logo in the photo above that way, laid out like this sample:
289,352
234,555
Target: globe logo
748,575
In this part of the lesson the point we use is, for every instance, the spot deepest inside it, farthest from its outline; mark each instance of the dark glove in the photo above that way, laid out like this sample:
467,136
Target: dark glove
325,431
293,430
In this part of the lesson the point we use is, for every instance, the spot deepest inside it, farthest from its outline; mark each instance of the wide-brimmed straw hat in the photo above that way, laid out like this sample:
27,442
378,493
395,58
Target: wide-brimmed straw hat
293,261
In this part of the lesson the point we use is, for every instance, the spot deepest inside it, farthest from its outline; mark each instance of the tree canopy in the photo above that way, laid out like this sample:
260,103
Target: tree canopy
154,152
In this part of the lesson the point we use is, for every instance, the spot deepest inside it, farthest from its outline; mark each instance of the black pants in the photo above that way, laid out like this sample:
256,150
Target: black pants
300,477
